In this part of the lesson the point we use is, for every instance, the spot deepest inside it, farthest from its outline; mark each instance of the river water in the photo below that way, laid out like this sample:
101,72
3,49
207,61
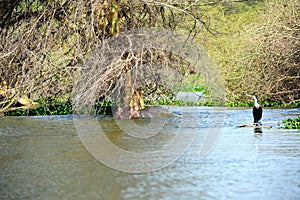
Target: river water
45,158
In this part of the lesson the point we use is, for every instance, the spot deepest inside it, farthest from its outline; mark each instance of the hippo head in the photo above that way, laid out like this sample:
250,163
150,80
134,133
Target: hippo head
125,112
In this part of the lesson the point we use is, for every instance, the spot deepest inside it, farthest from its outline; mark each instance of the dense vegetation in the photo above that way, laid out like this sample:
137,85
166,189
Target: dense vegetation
257,48
42,44
291,123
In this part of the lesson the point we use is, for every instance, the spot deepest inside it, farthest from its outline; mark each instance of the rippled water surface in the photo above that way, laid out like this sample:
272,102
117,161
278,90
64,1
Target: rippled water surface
44,158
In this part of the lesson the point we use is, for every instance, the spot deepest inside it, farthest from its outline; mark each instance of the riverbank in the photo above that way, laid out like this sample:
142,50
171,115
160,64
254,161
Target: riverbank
65,108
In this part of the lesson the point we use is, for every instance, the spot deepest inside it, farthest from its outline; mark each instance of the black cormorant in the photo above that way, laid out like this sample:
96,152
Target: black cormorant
257,110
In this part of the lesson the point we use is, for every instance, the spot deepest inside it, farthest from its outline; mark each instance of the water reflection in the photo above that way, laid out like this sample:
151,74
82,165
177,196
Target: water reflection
258,131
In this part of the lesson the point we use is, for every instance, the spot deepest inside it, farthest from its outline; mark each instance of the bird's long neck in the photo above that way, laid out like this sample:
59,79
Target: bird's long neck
256,103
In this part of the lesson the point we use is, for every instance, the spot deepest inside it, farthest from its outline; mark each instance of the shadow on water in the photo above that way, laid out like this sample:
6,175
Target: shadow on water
44,158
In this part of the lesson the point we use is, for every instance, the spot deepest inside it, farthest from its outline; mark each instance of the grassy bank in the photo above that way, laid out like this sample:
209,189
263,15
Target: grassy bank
55,107
256,47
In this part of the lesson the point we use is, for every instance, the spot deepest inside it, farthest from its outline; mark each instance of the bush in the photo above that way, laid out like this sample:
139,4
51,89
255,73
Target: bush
291,123
258,51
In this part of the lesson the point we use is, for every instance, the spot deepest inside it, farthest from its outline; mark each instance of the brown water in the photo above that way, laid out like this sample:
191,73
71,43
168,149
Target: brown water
44,158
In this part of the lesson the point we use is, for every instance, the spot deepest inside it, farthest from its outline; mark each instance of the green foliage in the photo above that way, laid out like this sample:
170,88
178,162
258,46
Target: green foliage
251,104
240,104
59,107
291,123
175,102
29,6
103,108
295,104
203,89
272,104
50,107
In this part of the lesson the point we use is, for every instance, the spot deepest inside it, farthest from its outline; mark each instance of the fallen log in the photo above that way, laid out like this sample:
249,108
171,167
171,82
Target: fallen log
256,125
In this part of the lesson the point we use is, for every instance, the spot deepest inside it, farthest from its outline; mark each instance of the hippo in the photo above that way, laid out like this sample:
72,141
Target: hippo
122,113
126,112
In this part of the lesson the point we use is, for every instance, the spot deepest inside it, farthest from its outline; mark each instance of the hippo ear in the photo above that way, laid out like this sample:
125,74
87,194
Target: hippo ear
141,113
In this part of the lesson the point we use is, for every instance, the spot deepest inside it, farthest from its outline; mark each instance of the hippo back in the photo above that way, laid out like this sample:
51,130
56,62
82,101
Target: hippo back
154,111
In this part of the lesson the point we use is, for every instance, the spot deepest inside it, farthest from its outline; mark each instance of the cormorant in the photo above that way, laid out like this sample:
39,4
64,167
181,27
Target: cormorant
257,110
